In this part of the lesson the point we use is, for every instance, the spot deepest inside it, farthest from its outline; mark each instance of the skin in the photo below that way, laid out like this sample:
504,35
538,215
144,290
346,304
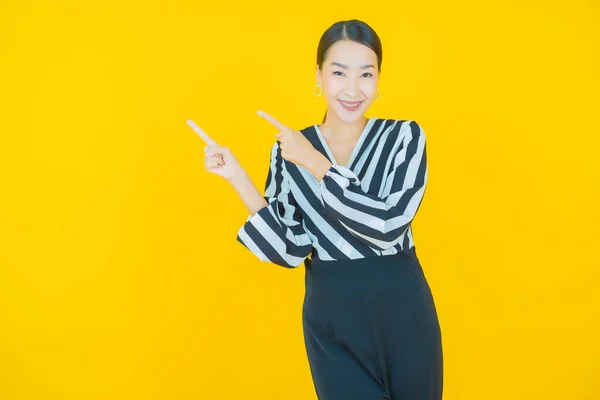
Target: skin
341,128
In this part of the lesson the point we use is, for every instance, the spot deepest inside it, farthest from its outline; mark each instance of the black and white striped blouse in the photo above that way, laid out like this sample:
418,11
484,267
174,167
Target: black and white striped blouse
364,209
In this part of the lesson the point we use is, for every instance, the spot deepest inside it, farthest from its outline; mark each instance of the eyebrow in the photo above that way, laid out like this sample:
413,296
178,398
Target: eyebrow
345,66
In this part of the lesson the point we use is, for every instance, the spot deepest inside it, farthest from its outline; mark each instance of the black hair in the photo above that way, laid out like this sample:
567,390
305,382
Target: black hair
355,30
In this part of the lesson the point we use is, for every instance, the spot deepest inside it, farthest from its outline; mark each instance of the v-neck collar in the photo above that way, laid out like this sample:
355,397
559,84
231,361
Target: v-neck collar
356,148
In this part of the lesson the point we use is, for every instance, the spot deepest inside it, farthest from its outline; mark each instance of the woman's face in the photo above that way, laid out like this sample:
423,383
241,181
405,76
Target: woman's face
349,78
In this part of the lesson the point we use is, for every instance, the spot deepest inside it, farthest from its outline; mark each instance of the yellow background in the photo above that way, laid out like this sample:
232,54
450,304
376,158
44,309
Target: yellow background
120,274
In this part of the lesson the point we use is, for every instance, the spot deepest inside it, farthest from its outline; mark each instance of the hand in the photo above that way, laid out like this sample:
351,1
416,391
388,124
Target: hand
295,147
218,159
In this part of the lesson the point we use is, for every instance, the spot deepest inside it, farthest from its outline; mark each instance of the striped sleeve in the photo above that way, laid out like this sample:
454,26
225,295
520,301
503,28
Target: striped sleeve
276,233
380,222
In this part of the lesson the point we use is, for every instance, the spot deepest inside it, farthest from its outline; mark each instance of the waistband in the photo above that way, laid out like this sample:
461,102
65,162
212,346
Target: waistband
402,260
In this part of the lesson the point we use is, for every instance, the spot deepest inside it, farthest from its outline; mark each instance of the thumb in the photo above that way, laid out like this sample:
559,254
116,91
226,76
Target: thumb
215,149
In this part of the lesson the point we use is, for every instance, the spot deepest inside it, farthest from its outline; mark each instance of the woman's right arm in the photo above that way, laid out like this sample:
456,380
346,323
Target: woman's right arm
221,161
245,188
274,231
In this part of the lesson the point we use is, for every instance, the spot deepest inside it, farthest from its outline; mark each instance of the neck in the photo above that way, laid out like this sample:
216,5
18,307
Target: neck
342,130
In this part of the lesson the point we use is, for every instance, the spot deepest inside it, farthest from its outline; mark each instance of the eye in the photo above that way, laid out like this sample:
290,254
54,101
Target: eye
335,72
368,73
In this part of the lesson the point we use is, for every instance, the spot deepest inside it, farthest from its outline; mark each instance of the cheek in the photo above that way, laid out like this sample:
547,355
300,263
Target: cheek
369,87
332,86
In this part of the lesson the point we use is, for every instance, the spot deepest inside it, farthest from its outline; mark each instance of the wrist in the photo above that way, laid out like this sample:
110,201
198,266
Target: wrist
319,165
238,177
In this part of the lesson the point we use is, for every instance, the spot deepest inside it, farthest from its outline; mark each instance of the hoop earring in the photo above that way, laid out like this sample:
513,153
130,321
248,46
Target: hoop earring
377,98
315,90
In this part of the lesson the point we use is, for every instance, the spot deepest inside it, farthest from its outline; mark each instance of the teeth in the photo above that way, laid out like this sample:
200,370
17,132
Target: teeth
349,105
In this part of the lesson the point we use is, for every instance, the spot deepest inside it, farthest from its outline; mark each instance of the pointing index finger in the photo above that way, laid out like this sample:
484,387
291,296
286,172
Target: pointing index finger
273,121
210,141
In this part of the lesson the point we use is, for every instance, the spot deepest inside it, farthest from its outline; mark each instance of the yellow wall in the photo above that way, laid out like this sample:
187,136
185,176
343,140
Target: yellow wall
120,274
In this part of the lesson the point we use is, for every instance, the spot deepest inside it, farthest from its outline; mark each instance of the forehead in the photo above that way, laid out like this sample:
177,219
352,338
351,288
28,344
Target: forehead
350,53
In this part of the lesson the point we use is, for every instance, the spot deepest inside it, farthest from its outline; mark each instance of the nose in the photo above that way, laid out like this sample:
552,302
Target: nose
352,88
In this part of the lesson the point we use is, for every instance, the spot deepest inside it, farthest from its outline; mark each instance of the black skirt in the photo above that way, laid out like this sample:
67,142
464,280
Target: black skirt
371,329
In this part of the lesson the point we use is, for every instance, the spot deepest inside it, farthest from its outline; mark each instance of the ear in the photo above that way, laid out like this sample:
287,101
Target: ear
318,75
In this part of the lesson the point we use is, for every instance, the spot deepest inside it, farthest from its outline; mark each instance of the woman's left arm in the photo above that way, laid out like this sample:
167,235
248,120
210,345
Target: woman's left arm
380,221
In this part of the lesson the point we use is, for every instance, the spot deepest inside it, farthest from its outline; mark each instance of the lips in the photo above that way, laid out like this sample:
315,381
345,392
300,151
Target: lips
350,105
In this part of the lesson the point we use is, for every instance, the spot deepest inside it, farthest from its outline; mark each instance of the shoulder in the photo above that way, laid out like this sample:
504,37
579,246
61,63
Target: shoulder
402,129
409,129
414,130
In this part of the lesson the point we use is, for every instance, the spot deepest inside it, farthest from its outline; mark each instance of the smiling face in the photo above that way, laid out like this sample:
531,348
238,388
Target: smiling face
349,78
